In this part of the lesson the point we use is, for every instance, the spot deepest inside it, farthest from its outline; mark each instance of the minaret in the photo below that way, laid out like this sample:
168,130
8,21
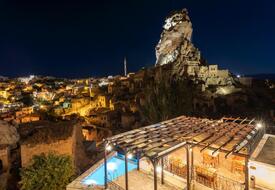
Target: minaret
125,67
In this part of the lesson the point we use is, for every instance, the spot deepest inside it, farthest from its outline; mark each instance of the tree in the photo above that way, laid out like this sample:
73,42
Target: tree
166,99
47,172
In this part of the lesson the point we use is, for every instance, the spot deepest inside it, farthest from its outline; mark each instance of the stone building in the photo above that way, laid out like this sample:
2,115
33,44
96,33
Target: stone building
24,111
104,117
27,118
8,140
102,101
89,133
62,138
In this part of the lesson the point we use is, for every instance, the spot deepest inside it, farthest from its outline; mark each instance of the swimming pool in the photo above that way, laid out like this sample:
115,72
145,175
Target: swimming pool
115,168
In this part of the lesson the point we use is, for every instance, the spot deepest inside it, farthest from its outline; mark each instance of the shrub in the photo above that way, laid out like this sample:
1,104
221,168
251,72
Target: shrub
47,172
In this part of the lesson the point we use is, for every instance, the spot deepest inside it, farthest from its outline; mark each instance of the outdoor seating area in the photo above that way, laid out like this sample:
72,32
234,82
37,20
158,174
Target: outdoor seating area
195,149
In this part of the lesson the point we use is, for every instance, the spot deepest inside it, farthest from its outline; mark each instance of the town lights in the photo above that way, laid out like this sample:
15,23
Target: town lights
159,169
130,156
108,147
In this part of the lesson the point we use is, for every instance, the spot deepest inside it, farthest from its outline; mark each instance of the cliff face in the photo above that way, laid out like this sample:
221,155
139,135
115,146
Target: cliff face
176,49
175,45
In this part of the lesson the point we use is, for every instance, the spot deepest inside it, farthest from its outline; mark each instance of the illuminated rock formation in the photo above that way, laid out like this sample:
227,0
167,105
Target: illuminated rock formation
176,48
175,45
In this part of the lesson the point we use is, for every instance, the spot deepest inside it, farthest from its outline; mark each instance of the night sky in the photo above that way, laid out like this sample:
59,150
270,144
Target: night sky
81,39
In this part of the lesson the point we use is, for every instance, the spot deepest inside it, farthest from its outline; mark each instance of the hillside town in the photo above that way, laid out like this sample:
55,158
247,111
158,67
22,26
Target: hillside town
77,117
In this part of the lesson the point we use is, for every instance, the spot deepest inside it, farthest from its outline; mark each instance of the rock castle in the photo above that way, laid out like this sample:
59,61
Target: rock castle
176,48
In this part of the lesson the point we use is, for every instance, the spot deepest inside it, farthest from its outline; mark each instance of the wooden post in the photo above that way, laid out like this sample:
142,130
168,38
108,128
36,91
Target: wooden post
138,157
246,174
162,173
192,165
126,172
249,148
105,170
138,164
155,175
188,167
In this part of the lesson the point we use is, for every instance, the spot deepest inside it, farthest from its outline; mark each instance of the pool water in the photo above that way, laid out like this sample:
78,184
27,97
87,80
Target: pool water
115,168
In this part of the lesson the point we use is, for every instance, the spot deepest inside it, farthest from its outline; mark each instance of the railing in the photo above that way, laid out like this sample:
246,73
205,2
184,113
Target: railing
111,186
175,168
205,177
215,181
223,183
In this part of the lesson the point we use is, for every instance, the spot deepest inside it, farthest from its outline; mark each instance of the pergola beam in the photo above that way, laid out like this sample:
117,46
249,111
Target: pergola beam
230,139
155,139
223,130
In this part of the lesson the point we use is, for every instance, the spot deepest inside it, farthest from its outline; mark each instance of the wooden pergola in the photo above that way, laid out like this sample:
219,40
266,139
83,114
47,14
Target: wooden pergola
229,135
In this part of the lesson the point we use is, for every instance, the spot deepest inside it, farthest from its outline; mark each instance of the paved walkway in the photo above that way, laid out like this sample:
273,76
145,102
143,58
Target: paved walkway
141,181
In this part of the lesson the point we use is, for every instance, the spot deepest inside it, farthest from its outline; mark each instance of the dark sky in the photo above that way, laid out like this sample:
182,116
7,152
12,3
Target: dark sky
80,39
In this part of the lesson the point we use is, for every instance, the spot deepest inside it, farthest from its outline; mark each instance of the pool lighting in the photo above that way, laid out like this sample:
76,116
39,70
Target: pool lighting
108,147
130,156
111,166
159,169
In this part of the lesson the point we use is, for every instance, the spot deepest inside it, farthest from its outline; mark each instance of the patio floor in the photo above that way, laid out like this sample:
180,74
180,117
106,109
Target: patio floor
141,181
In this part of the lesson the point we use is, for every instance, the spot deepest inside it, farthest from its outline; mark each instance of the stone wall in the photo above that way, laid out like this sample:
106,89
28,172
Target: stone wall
5,158
61,147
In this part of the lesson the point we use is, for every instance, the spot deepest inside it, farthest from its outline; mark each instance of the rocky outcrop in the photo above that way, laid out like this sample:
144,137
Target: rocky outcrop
175,45
175,48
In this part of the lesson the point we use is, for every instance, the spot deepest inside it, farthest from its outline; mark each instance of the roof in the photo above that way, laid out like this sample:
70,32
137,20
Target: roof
45,131
227,134
265,152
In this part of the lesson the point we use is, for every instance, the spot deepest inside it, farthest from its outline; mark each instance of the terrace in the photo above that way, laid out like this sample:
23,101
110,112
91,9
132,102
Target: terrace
184,152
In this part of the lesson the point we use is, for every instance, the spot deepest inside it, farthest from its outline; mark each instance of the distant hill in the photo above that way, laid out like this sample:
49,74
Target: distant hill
263,76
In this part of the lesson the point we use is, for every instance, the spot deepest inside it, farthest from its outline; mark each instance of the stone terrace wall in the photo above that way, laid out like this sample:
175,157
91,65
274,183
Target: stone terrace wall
58,147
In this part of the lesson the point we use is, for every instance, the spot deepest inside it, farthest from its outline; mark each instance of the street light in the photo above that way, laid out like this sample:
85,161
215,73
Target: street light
159,169
215,154
130,156
108,147
259,125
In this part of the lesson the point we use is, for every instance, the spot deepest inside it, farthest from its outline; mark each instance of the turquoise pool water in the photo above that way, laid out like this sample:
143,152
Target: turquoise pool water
115,168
